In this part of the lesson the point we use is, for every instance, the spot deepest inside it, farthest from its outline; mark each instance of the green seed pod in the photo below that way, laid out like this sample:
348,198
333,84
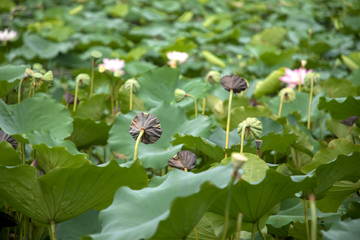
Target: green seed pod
48,77
83,79
315,76
238,160
96,54
135,85
179,95
213,76
288,93
38,75
38,66
253,129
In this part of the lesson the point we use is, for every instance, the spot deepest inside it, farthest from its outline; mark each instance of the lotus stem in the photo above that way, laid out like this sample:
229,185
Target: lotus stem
30,92
92,76
104,154
196,233
137,143
228,122
306,220
19,91
112,106
76,94
189,95
52,227
131,95
311,93
253,231
281,103
238,226
299,86
242,139
258,227
203,106
40,233
227,207
313,217
23,153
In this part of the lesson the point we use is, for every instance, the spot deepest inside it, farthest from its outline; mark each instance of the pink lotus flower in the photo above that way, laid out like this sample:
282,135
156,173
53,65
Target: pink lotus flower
176,57
292,77
7,36
113,65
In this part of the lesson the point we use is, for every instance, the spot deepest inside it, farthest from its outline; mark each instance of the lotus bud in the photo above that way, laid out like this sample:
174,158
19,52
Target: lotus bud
34,163
258,145
213,76
179,95
48,77
83,79
149,123
238,160
315,76
253,128
288,93
303,63
183,160
234,82
96,54
135,85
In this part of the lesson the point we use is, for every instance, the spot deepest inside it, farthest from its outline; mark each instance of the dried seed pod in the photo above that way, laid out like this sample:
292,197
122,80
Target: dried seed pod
258,145
183,160
69,98
288,93
149,123
135,85
253,102
8,138
238,160
234,82
213,76
315,76
349,121
253,128
83,79
179,95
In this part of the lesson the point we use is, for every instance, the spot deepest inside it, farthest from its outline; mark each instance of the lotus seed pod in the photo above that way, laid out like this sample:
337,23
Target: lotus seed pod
349,121
135,85
183,160
213,76
96,54
258,144
83,79
253,128
179,95
29,72
48,77
288,93
8,138
149,123
303,63
315,76
238,160
234,82
38,75
38,66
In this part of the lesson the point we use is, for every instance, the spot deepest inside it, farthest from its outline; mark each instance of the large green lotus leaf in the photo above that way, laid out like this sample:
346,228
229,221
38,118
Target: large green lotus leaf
87,133
207,147
8,155
335,148
350,63
64,193
84,224
196,87
270,84
338,129
348,229
303,142
37,137
336,88
341,108
9,78
298,229
172,119
168,211
218,136
300,105
51,157
124,97
134,68
336,195
92,108
35,114
157,86
283,58
255,199
342,168
353,210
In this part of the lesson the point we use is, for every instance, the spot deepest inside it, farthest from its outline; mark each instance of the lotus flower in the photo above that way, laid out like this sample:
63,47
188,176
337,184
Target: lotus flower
176,57
113,65
292,77
7,36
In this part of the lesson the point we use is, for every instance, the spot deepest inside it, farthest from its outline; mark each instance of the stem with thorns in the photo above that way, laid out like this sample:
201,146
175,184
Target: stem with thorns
137,142
76,94
242,139
189,95
281,103
228,122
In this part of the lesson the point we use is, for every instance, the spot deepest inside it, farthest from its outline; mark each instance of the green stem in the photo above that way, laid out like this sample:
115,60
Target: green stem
196,233
104,154
228,122
227,207
281,103
306,220
313,217
112,105
23,149
92,77
131,95
299,86
258,227
320,126
137,143
311,93
53,233
40,233
242,139
253,231
194,103
203,106
238,226
76,94
19,91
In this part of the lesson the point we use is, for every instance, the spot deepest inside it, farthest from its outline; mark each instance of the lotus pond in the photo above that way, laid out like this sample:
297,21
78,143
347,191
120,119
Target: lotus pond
189,119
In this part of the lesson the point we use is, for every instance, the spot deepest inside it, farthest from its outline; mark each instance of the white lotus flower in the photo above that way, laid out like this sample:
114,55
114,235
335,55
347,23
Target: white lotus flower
176,57
7,36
